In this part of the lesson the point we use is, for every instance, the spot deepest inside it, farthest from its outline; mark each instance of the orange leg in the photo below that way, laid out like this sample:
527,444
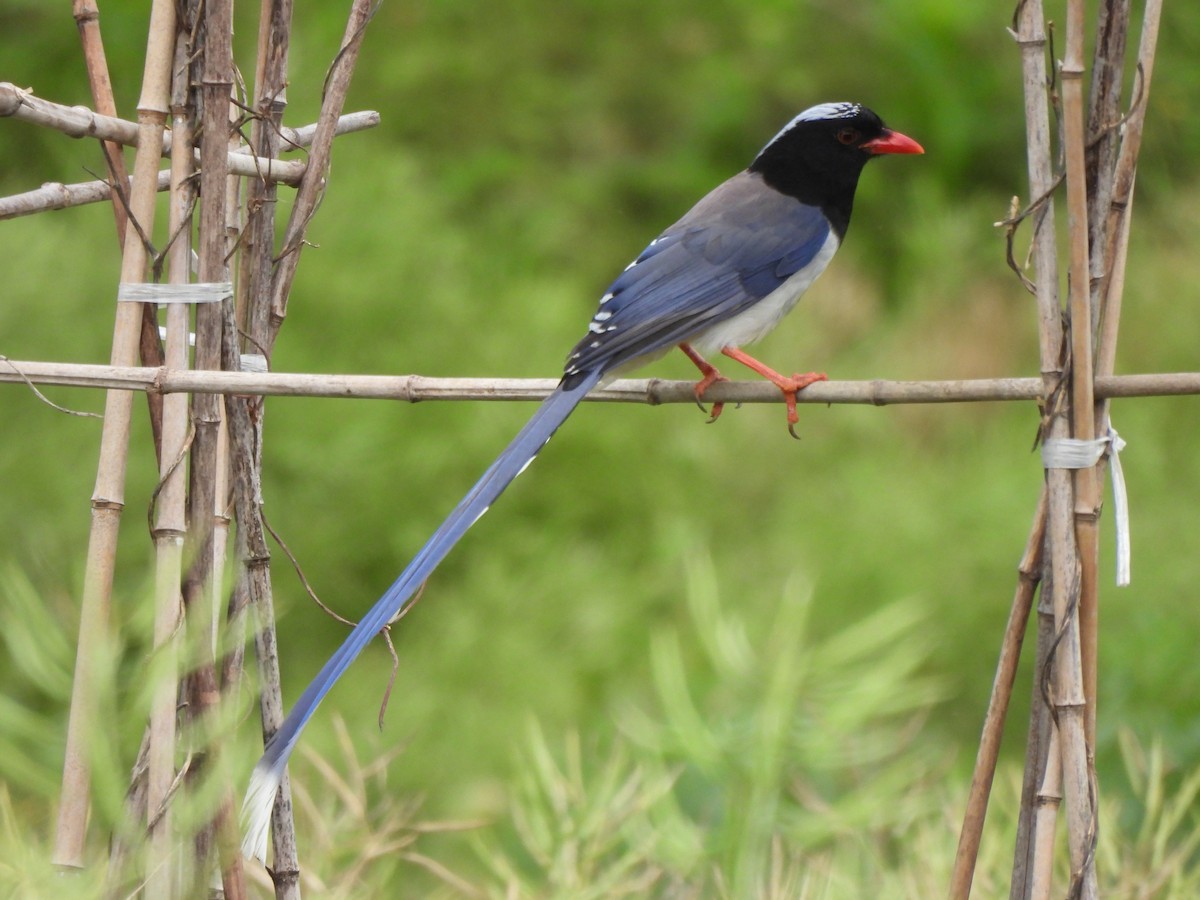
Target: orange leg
711,377
790,386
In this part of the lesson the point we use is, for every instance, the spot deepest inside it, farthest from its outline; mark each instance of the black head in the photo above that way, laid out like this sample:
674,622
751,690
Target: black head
818,156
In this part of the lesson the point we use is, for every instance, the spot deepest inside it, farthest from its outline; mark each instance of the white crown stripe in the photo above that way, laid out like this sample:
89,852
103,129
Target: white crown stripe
818,112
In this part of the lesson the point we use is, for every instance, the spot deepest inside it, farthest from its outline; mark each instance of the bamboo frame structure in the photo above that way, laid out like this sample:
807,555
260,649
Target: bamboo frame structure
208,411
1099,181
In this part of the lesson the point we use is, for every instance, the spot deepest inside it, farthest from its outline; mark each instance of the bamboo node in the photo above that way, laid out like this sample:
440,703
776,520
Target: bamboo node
11,99
653,388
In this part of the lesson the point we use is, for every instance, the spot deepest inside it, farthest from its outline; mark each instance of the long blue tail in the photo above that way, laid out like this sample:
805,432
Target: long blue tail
264,782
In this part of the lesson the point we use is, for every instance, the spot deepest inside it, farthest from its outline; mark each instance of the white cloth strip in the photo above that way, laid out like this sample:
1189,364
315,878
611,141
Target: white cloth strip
1074,453
200,292
254,362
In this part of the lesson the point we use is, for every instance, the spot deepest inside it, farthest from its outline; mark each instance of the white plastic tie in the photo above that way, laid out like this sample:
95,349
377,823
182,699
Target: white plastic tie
1075,453
199,292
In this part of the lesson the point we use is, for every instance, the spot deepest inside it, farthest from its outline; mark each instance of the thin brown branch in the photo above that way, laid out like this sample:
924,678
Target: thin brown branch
1117,231
33,387
312,188
338,617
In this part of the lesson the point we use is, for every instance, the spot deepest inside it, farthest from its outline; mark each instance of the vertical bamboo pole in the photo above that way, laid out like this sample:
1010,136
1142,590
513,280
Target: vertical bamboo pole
215,84
1103,110
1029,574
108,497
1078,588
1045,814
170,523
1036,827
207,686
255,588
246,414
267,306
87,18
1039,802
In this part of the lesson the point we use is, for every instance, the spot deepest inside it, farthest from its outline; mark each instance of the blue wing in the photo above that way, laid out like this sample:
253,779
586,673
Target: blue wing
735,247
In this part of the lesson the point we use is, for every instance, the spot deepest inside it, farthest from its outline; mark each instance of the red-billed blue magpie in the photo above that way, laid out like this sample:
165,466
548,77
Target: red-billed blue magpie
721,277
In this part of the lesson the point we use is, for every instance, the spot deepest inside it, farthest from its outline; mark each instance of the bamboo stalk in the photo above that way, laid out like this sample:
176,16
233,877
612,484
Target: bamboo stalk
108,497
245,442
1100,162
1028,575
1028,855
1075,596
213,77
1103,140
87,19
55,195
170,524
224,826
1049,799
649,391
247,415
1034,844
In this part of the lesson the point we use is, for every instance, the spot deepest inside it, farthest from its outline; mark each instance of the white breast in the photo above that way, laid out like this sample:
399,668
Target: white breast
758,321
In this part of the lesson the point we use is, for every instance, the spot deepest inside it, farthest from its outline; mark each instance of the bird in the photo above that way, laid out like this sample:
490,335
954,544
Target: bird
721,277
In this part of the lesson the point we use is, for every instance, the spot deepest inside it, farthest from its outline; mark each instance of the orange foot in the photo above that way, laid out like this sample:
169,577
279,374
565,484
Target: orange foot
711,377
790,386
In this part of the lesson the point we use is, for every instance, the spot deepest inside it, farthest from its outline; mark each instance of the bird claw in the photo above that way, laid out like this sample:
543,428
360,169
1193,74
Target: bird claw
791,388
710,378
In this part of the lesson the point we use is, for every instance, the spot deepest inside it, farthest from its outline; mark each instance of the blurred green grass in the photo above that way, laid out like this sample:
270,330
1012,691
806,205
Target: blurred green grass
522,161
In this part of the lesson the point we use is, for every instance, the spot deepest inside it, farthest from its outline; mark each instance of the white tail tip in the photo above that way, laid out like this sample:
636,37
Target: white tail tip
256,811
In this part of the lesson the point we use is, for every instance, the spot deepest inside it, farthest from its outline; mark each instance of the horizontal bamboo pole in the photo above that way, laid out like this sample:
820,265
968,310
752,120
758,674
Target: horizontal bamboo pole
55,195
652,391
81,122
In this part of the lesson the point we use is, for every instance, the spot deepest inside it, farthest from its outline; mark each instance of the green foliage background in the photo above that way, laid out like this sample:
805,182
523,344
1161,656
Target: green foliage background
527,152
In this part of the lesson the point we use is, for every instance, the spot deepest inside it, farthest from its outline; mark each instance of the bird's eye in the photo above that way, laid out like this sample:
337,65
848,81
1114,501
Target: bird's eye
848,136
